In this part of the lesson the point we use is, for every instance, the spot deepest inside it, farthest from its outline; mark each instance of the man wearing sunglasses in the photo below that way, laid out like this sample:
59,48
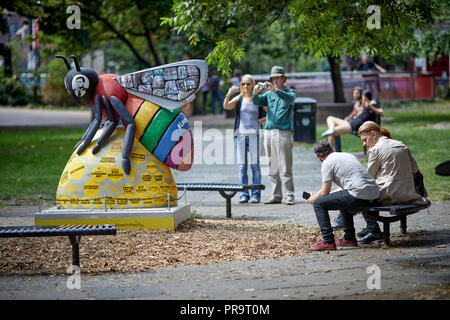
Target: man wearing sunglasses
278,142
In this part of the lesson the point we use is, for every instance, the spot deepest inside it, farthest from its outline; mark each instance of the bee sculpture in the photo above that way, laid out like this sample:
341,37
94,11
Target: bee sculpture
147,102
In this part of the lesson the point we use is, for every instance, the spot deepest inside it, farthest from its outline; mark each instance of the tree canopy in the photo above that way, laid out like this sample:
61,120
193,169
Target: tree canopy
323,28
132,26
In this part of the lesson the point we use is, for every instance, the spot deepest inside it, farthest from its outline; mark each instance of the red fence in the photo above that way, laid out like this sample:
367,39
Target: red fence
384,86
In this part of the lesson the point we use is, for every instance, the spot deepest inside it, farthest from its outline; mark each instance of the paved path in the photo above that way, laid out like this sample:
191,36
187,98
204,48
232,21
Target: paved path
417,266
22,117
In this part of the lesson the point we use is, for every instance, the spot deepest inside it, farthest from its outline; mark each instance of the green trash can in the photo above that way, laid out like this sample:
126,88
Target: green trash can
305,120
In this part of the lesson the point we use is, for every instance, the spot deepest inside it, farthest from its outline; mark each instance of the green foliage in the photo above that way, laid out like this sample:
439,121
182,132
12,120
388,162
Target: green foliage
55,92
434,42
107,23
219,55
323,28
13,92
263,52
227,23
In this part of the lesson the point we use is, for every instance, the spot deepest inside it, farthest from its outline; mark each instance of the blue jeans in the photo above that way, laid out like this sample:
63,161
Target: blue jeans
216,97
246,146
342,201
372,225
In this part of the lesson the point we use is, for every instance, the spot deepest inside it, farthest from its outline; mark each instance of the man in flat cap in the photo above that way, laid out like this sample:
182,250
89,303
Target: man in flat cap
278,142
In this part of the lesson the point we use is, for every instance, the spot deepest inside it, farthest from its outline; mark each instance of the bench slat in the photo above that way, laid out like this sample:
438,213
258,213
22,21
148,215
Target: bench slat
218,186
44,231
396,209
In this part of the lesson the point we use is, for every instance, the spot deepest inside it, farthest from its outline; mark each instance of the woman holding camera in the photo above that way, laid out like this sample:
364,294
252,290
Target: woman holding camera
246,134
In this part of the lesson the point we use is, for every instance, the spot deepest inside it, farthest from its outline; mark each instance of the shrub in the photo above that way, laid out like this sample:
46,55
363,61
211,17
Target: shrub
13,92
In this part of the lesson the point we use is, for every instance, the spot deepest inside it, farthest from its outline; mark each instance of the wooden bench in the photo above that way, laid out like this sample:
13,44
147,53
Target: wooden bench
397,213
73,231
226,190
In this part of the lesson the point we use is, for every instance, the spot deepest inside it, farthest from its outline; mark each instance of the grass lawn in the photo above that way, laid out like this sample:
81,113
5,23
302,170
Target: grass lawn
417,129
31,160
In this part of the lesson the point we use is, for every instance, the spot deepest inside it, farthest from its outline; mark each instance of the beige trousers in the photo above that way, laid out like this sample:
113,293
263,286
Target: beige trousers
278,146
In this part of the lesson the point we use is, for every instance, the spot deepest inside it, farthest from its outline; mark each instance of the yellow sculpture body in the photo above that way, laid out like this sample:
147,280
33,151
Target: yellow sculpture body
88,180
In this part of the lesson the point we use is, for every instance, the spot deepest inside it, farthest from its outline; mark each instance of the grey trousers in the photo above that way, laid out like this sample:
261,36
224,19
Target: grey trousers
278,145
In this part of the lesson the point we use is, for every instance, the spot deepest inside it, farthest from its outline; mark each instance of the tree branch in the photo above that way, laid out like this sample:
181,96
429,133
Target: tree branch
251,26
119,35
148,36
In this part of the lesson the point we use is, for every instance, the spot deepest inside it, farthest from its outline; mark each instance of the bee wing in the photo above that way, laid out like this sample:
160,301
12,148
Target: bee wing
170,86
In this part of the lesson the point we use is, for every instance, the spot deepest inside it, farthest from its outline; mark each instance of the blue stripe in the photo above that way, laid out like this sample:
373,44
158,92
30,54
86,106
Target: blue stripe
167,142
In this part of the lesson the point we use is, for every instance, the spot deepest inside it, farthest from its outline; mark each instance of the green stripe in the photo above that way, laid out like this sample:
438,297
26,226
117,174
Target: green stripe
157,127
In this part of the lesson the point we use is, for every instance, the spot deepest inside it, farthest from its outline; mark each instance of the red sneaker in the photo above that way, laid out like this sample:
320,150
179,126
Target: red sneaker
346,243
323,246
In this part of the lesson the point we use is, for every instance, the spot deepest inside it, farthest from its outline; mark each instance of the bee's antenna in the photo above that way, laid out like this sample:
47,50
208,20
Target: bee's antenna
65,61
75,60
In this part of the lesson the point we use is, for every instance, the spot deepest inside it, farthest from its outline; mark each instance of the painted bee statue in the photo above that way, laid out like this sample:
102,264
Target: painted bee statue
147,102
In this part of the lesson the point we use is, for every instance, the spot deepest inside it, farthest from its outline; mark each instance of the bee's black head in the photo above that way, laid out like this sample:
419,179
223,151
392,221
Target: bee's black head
80,82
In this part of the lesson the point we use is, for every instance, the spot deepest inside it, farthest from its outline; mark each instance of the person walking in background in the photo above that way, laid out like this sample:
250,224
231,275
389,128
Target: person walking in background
367,65
278,142
214,85
236,79
205,92
246,134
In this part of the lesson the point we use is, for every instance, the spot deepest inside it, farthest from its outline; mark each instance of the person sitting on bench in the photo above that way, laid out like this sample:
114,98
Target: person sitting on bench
337,127
392,166
359,190
357,105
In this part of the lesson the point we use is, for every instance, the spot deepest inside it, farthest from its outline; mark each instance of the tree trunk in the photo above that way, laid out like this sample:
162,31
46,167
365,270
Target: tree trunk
336,77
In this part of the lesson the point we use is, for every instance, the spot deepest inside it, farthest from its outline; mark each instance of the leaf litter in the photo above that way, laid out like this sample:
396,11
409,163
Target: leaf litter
194,242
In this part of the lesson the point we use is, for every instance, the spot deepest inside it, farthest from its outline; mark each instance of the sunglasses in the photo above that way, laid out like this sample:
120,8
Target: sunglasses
246,84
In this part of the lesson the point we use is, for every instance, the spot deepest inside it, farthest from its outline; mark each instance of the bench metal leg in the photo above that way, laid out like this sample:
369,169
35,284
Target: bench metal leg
228,197
403,225
228,207
386,233
75,242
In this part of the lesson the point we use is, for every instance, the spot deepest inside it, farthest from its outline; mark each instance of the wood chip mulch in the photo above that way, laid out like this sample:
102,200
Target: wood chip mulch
195,242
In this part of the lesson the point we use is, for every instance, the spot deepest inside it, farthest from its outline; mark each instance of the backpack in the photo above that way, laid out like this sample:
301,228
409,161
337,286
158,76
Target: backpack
418,183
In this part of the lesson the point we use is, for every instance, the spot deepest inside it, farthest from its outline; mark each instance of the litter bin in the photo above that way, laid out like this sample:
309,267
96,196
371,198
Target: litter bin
305,120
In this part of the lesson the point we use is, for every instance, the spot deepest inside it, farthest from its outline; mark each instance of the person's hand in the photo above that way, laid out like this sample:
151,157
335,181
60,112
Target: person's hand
232,90
257,89
271,87
311,200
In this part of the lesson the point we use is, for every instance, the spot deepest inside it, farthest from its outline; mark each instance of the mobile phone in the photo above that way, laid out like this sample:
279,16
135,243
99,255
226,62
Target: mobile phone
306,195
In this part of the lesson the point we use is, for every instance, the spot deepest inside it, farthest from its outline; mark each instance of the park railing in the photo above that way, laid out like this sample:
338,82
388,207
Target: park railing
384,86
